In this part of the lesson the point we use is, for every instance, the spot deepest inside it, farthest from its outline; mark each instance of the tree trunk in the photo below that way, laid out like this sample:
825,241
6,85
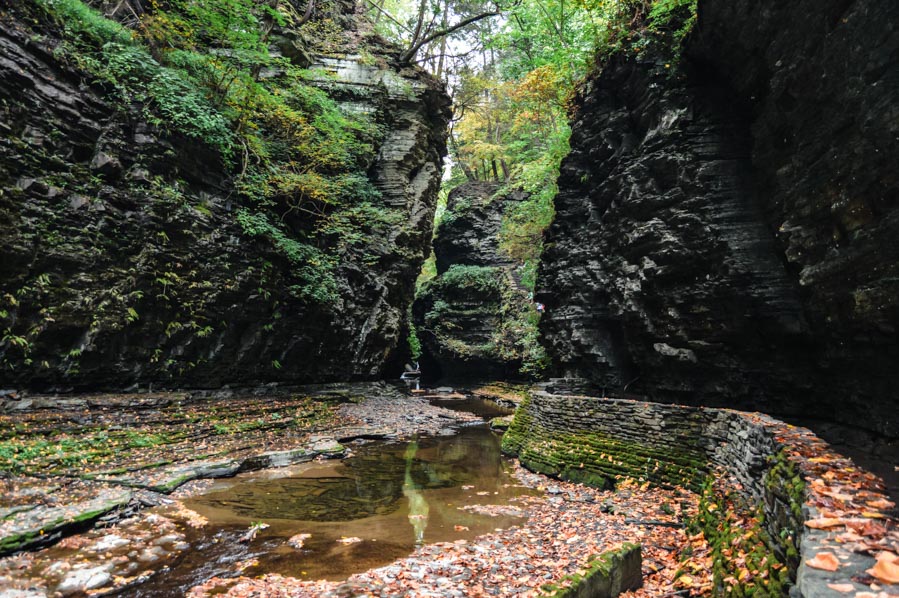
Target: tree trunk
442,41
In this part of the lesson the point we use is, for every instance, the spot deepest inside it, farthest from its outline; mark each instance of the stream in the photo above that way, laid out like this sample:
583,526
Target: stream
331,519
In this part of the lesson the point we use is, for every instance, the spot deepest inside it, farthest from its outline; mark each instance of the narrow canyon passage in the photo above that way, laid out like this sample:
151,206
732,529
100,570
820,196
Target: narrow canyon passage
441,298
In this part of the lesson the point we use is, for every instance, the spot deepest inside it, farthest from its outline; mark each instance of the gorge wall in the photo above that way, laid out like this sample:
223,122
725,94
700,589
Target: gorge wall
473,317
726,222
123,258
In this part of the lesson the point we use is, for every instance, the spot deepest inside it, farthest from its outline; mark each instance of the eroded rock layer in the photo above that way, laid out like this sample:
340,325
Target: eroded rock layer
471,315
122,261
782,473
726,224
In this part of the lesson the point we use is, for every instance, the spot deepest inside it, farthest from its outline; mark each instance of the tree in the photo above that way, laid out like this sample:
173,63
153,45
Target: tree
424,34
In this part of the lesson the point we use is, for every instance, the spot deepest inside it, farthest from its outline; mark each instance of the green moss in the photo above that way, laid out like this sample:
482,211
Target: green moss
28,539
522,423
336,449
596,459
586,477
501,423
747,561
173,483
596,579
17,542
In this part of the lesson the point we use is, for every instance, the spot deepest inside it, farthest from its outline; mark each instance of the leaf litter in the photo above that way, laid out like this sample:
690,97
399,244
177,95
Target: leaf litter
562,530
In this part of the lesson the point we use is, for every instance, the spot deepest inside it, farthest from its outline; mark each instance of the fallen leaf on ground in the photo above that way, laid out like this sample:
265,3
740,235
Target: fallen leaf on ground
297,540
845,588
886,569
825,561
824,522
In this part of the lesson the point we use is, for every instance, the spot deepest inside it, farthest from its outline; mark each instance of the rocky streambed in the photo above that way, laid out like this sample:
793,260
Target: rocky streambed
415,506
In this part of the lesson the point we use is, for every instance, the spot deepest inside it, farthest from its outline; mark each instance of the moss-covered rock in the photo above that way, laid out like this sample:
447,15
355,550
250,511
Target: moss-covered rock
474,319
606,576
750,470
139,247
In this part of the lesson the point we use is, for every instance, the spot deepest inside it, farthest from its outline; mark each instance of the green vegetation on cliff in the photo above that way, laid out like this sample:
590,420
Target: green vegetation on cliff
198,189
512,80
512,109
203,69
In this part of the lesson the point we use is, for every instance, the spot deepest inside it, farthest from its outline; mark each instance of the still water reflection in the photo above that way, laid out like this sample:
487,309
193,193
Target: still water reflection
387,498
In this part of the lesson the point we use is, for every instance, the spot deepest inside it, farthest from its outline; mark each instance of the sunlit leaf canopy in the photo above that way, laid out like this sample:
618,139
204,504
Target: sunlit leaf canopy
510,67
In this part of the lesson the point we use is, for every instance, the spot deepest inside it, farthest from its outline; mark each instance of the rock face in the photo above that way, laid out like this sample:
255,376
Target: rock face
726,227
469,231
468,315
122,261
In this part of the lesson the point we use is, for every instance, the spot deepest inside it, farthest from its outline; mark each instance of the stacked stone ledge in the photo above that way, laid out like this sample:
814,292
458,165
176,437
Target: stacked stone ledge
770,463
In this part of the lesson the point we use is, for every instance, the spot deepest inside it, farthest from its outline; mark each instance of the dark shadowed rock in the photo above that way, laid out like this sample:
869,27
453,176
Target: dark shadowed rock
122,261
726,228
468,234
467,316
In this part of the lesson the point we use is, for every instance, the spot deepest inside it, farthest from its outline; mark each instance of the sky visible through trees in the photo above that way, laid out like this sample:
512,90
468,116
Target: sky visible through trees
511,67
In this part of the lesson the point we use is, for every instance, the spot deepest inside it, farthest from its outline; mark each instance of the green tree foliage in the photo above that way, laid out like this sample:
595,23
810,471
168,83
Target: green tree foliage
511,79
511,111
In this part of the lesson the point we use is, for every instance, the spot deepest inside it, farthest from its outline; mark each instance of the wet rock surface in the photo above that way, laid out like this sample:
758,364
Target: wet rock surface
812,498
562,531
128,458
121,258
468,234
136,524
725,225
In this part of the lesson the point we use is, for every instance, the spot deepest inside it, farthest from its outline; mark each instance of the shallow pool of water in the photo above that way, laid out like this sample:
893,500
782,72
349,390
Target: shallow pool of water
480,407
361,512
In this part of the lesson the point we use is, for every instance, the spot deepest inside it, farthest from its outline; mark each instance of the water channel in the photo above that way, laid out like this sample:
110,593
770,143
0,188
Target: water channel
349,515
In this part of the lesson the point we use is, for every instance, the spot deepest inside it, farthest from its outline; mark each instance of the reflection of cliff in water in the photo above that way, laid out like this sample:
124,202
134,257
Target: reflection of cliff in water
418,504
373,482
387,499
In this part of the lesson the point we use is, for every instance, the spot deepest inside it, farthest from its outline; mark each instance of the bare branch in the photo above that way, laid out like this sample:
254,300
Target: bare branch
409,54
388,15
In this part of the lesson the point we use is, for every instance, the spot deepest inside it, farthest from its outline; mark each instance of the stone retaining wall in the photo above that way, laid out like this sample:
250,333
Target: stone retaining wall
597,440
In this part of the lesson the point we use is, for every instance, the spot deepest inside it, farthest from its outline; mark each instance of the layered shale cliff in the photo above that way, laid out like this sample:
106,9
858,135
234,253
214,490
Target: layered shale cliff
473,317
128,256
726,225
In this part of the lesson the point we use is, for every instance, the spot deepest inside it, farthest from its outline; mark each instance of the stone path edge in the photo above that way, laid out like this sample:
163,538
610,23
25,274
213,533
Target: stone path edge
747,446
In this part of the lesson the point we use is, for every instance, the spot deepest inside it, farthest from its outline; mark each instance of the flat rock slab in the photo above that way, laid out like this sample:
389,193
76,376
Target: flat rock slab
552,552
83,459
503,393
501,423
45,523
79,581
168,478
